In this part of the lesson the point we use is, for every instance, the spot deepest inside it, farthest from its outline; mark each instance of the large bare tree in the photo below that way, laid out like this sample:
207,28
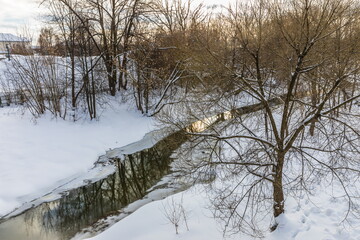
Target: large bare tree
296,61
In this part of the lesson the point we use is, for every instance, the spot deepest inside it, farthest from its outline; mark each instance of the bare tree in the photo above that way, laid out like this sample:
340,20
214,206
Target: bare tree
175,213
38,81
112,23
285,50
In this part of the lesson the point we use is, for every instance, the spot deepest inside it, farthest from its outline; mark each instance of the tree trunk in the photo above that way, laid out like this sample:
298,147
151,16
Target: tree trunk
278,193
122,76
111,77
112,84
72,59
314,95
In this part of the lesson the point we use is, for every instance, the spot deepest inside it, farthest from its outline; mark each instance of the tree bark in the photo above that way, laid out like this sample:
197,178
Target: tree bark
314,95
278,193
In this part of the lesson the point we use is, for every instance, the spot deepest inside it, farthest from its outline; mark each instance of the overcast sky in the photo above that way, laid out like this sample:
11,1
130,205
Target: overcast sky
18,15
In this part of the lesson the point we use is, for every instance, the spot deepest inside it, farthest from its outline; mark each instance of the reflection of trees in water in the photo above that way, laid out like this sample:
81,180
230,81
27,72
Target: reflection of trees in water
84,206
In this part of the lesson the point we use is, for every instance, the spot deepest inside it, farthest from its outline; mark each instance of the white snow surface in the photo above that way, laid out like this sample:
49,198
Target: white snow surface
318,218
8,37
39,156
322,215
150,223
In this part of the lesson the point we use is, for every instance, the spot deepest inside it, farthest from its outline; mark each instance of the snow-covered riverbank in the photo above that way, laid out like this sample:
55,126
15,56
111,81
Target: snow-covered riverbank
317,217
37,156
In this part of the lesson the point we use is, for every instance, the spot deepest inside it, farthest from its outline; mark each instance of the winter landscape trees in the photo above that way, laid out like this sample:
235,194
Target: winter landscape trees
295,62
294,51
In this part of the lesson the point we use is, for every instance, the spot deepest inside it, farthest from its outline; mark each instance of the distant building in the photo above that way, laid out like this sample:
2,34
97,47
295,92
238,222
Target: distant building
8,40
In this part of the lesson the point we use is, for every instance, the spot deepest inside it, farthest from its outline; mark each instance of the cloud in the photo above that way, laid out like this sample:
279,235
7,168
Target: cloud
15,15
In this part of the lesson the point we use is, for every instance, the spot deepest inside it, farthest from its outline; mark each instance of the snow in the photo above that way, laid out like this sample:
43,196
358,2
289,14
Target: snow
42,158
320,217
311,216
38,156
304,219
149,222
8,37
148,141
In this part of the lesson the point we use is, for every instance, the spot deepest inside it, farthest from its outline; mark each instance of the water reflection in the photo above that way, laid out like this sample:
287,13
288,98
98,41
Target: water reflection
82,207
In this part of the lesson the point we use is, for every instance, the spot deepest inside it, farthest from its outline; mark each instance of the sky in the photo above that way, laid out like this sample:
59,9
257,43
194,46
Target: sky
23,16
20,16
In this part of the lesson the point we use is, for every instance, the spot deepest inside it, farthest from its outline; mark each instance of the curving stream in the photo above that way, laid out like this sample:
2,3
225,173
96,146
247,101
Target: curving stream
134,179
82,207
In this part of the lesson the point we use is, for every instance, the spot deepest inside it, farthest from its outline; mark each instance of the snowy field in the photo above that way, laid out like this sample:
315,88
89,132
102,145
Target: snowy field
37,156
